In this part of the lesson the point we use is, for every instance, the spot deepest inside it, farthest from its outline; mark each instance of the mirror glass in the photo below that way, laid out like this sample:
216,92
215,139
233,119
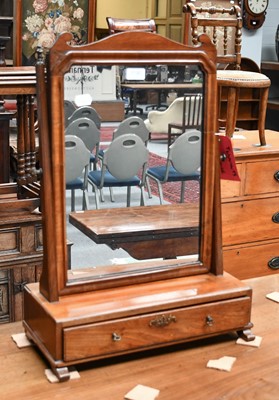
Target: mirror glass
168,99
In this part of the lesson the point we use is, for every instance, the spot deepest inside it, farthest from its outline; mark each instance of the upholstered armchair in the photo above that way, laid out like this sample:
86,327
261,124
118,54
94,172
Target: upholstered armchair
158,121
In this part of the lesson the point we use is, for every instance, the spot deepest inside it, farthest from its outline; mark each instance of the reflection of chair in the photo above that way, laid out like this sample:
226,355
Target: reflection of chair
117,25
182,164
85,111
122,161
191,116
77,163
88,132
132,125
159,121
224,27
69,108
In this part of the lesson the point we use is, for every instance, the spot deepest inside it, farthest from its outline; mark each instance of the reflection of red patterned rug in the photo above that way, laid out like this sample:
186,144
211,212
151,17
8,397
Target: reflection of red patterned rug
171,191
106,133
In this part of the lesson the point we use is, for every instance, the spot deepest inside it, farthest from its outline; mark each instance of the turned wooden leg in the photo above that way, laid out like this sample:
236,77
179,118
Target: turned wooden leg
262,114
232,109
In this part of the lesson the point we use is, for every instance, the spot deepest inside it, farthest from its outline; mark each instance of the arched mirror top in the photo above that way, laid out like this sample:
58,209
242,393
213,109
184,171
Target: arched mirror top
119,53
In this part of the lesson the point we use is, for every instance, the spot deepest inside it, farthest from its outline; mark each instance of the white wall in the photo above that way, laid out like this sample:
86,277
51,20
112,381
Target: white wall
252,44
260,44
269,30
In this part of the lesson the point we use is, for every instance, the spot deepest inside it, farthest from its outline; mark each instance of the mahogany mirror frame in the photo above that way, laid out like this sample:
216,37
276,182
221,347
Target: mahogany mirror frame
124,48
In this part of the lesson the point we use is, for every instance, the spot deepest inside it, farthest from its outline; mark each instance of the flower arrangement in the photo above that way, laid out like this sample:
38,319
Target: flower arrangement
44,20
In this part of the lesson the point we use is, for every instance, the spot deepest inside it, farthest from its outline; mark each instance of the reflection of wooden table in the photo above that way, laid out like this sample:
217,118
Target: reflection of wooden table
135,87
163,231
253,376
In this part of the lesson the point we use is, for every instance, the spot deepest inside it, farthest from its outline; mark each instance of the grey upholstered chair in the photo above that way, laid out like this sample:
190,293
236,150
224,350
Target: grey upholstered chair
123,160
77,158
182,164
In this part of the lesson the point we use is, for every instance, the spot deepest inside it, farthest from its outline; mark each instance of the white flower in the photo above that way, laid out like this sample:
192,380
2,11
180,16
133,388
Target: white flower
78,13
33,23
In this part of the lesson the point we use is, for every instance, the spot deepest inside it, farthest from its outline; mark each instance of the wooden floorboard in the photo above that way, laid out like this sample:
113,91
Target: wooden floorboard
179,373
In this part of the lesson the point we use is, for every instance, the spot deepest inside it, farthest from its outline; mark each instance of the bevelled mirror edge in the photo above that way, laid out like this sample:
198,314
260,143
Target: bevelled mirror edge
112,51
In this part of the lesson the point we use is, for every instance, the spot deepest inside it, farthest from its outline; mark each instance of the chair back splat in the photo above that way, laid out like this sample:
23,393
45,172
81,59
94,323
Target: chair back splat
191,116
123,161
224,27
88,132
132,125
77,162
182,164
85,112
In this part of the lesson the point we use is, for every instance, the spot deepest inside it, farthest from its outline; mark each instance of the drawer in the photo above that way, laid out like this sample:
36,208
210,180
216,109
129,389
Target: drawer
249,221
152,330
260,177
233,188
252,261
9,241
38,237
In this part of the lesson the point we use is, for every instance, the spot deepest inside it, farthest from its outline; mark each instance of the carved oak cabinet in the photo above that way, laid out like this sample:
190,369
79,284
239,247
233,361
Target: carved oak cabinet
109,310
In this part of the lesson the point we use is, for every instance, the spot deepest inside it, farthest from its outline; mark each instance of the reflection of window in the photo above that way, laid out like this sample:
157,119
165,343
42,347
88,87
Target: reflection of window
100,83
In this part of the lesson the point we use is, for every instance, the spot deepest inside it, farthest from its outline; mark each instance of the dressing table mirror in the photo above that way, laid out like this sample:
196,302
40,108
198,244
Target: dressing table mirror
171,295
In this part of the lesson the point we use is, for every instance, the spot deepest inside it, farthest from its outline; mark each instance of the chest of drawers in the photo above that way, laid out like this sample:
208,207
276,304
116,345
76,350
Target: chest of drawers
250,208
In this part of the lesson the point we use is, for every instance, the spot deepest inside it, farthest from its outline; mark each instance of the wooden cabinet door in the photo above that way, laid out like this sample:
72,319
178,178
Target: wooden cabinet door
169,18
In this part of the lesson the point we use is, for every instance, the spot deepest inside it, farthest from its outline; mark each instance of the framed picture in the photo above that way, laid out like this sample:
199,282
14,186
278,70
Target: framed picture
39,22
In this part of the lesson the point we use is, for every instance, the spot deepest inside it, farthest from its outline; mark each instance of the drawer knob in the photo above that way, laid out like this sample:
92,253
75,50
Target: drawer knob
116,337
274,263
276,176
209,320
275,217
162,320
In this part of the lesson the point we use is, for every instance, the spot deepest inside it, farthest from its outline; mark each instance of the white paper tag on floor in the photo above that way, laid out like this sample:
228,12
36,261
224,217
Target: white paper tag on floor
273,296
223,364
253,343
53,378
21,340
141,392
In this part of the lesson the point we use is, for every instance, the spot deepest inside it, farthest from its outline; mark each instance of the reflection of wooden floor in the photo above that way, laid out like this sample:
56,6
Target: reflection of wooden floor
174,228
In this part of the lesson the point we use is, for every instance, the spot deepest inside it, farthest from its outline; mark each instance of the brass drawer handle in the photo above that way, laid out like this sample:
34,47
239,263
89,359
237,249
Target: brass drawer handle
116,337
276,176
275,217
162,320
273,263
209,320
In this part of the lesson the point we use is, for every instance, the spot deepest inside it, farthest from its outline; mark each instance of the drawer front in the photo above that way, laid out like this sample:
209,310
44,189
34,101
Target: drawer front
252,261
38,238
249,221
260,177
233,188
152,330
9,241
5,296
